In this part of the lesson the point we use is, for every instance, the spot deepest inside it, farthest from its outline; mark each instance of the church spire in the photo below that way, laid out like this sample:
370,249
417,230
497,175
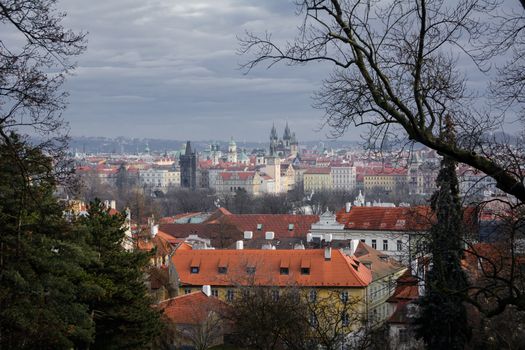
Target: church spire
273,133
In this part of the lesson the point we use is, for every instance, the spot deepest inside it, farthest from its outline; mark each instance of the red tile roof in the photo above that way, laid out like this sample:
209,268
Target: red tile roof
278,223
386,218
192,308
226,227
340,271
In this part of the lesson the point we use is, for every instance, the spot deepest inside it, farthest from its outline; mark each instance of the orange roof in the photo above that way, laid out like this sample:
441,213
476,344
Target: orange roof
386,218
192,308
340,271
418,218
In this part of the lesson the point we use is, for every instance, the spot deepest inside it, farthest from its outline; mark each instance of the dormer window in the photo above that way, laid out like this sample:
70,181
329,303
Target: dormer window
195,265
223,270
259,227
305,270
284,271
290,227
250,270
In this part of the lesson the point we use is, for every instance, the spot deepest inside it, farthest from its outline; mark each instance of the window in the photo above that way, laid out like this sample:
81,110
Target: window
305,270
290,227
345,319
399,245
344,296
250,270
259,227
194,269
374,244
313,295
223,270
284,271
215,292
363,240
385,244
229,295
187,290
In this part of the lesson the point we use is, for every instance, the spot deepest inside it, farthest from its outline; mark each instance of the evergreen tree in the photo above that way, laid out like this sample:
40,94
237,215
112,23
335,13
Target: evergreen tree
443,319
41,265
123,316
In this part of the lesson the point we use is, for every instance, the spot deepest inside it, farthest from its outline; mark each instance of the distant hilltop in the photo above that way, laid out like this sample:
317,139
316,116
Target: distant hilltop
125,145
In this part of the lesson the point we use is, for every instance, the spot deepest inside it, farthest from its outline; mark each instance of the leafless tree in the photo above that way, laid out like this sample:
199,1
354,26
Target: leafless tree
203,334
397,72
34,60
298,318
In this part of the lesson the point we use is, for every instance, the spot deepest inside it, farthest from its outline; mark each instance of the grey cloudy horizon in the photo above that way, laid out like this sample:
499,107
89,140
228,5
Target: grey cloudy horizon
169,69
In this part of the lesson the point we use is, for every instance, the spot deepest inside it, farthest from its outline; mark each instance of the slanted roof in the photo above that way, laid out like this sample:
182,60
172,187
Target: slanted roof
381,264
386,218
340,271
192,308
278,223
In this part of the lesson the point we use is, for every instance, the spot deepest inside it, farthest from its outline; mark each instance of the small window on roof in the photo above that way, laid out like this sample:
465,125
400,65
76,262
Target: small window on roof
250,270
290,227
259,227
194,269
223,270
305,270
284,271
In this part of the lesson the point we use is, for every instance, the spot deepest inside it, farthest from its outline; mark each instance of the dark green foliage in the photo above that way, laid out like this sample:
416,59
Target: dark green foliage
62,281
41,274
123,316
443,319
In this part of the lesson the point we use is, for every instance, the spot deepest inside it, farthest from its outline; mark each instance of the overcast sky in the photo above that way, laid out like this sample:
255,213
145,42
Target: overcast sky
169,69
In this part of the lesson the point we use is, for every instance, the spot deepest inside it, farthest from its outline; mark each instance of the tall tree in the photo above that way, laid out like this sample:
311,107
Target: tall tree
397,72
42,276
122,315
443,321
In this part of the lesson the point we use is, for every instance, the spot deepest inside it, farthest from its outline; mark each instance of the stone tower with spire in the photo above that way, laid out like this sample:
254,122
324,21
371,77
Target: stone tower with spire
285,147
232,151
188,168
287,136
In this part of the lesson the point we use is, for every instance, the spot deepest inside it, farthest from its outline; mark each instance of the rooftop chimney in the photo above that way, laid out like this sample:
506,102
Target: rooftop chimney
309,237
353,246
270,235
248,234
328,253
328,237
113,204
239,245
206,289
154,230
348,206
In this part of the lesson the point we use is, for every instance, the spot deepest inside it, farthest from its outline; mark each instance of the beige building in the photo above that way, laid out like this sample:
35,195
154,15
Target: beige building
229,182
387,179
287,177
317,179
